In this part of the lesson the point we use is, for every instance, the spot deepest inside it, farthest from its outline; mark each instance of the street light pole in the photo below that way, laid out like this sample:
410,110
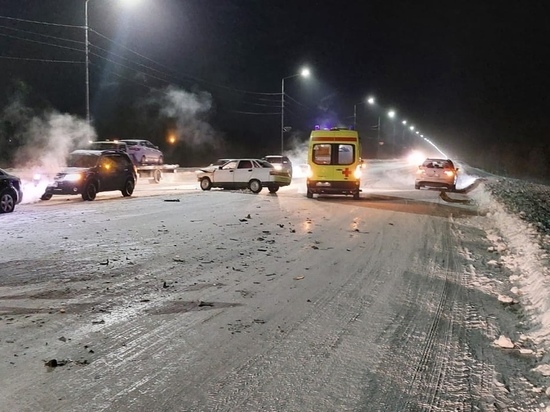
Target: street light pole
283,113
87,63
304,73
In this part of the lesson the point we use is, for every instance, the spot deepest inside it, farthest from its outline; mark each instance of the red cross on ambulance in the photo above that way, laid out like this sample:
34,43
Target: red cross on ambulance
346,172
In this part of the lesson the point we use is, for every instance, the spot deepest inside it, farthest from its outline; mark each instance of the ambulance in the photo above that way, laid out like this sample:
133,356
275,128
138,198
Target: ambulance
334,162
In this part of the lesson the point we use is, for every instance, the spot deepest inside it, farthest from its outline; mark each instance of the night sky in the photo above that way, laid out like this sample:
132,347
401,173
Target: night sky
470,75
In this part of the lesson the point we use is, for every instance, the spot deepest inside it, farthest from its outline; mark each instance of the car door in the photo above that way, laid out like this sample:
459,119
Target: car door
243,173
152,152
107,173
121,172
223,177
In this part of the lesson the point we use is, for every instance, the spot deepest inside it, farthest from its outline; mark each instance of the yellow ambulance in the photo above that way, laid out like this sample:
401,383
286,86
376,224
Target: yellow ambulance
334,162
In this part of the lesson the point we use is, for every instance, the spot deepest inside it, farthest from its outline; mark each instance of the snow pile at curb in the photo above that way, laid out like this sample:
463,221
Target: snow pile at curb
525,237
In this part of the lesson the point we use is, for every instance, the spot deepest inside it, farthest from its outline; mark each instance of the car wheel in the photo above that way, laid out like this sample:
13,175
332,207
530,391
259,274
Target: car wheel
161,160
128,189
7,201
416,186
273,189
309,194
356,195
46,196
206,184
452,188
255,186
90,191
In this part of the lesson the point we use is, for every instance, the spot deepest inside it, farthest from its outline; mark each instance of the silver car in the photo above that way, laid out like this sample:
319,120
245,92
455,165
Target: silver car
436,173
280,162
143,152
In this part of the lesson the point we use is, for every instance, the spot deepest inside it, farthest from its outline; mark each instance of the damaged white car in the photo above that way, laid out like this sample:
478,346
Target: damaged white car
253,174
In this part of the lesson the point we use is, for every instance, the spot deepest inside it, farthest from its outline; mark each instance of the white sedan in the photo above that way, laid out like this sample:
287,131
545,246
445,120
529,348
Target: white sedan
253,174
143,151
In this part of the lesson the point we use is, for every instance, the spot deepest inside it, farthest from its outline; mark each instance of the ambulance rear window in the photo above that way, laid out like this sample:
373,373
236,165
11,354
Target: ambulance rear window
333,154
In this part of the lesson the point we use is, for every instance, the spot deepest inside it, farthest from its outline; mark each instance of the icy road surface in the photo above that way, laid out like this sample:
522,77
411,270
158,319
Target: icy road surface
183,300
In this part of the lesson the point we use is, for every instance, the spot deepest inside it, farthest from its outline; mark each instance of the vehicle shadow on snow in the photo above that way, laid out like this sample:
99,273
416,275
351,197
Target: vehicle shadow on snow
405,205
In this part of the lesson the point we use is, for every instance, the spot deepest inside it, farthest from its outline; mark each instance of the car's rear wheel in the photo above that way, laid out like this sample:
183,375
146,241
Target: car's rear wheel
452,188
309,194
273,189
90,191
206,184
255,186
417,186
129,186
7,201
356,195
46,196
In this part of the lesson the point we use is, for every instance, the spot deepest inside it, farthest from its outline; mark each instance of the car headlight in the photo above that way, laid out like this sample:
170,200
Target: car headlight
72,177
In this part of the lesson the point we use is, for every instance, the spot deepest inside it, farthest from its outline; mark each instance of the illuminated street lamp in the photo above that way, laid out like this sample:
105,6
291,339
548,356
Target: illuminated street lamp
391,114
372,101
87,48
404,122
304,73
412,127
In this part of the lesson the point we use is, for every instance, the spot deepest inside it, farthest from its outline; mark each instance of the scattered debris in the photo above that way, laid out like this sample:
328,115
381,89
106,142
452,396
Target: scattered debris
171,200
261,249
248,216
314,247
104,263
506,299
201,304
63,339
504,342
443,195
165,285
298,277
54,363
98,322
178,259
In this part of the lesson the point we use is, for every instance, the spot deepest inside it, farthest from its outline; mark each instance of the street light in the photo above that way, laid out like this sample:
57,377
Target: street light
87,48
304,73
372,101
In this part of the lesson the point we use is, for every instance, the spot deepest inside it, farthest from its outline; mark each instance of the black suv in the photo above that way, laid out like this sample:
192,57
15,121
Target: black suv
92,171
10,192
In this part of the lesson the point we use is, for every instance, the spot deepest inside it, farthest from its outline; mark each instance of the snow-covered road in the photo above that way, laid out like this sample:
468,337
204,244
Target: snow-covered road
183,300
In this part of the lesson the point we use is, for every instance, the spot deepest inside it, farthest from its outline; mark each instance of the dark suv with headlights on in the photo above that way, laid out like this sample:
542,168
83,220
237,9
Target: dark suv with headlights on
91,171
10,192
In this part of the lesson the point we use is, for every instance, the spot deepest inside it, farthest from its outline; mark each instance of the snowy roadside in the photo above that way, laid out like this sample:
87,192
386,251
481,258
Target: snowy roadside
520,213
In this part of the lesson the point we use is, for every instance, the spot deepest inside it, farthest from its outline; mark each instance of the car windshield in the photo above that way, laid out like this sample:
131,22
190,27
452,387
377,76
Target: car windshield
129,143
274,159
82,160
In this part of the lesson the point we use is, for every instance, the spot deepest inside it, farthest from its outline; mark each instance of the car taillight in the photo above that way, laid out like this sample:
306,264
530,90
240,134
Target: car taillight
449,173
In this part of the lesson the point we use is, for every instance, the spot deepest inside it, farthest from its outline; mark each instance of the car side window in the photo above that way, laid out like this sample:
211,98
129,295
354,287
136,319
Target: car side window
245,164
230,165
